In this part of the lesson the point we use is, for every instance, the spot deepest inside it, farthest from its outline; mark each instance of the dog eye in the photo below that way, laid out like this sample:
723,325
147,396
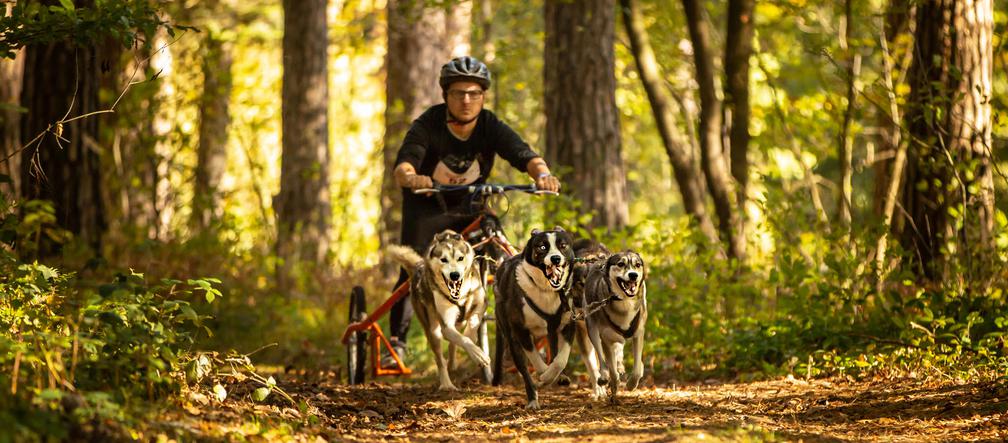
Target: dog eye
460,259
444,260
542,247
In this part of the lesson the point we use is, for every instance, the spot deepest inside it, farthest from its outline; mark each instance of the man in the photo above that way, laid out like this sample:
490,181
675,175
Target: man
453,143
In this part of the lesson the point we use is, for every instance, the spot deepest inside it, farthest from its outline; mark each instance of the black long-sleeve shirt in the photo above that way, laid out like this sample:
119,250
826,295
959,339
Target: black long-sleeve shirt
434,151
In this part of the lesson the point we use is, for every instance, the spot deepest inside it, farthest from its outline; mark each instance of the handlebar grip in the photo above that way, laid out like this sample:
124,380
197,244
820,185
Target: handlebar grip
425,190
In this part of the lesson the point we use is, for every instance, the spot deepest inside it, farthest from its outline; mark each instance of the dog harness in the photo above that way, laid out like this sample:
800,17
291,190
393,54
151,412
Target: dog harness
552,320
630,330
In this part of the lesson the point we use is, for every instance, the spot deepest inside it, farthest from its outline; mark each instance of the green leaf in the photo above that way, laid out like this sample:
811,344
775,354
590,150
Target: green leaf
260,394
67,4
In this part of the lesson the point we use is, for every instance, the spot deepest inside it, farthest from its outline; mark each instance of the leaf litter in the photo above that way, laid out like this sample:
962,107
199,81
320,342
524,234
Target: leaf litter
782,409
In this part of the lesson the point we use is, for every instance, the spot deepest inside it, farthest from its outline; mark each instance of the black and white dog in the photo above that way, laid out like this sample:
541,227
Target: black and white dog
533,301
615,294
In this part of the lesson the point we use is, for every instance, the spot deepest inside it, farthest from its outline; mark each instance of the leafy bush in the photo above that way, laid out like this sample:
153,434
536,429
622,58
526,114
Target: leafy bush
812,306
73,353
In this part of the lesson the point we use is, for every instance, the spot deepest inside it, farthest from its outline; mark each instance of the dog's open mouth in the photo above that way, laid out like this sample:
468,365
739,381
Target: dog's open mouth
555,275
629,287
454,287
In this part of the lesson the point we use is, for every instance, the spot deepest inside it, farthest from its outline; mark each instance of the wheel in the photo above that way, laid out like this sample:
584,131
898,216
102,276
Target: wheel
357,344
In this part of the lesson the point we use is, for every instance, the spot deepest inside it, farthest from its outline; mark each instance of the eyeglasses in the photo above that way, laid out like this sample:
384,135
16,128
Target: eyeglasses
459,94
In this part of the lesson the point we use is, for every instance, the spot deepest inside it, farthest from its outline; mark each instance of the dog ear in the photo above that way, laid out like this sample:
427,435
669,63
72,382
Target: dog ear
558,229
535,232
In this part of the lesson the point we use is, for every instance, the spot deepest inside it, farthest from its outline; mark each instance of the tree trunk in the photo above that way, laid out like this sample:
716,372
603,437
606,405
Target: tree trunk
719,181
683,166
948,193
845,146
420,40
214,119
63,165
10,119
582,122
897,22
302,206
484,10
738,50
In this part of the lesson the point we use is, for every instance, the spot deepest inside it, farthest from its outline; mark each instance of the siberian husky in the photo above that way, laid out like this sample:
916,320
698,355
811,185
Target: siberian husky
448,295
615,297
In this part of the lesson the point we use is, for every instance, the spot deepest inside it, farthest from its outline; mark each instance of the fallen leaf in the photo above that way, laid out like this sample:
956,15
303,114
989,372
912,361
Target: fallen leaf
455,411
219,392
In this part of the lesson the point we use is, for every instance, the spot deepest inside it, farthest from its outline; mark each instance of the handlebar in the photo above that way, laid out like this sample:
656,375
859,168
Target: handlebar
485,189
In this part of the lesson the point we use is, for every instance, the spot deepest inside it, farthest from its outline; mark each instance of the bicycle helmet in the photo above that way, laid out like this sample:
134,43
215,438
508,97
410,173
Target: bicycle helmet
464,68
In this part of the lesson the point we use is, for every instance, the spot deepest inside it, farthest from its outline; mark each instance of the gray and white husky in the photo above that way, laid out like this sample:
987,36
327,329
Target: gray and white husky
618,287
448,295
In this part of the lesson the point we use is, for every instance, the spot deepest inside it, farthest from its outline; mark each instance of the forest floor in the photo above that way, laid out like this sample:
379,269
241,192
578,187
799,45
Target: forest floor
785,409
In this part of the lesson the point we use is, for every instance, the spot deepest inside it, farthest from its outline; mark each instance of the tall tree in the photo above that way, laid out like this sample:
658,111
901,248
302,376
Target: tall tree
897,57
420,39
302,206
10,116
715,167
948,192
678,150
582,122
63,165
214,120
738,50
845,145
10,120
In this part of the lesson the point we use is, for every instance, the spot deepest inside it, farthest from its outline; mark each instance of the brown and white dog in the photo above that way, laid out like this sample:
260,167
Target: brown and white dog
448,295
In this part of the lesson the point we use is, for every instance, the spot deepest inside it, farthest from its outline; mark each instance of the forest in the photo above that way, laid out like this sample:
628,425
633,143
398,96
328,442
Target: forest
198,200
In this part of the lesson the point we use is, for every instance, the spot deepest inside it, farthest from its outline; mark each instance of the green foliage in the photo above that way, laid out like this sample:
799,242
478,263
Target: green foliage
73,352
814,308
127,22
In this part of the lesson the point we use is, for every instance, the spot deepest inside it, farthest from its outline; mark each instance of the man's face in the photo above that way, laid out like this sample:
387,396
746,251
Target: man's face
465,100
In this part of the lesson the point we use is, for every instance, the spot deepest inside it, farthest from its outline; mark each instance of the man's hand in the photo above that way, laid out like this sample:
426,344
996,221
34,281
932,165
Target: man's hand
547,182
417,181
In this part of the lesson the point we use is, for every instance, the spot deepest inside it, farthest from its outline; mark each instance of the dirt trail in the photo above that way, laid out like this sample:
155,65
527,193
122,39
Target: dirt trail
786,409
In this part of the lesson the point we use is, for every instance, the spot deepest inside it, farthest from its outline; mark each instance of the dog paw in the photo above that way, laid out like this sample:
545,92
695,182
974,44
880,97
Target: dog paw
603,381
599,393
447,387
632,383
481,358
548,377
563,380
533,405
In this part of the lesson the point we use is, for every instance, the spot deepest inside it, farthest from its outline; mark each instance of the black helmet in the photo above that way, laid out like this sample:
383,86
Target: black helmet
464,68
